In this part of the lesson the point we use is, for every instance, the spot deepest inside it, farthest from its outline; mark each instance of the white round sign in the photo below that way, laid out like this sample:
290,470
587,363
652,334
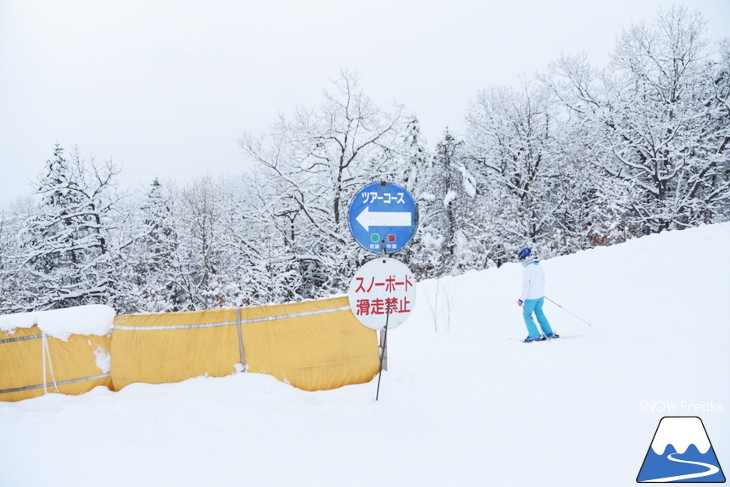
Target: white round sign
382,290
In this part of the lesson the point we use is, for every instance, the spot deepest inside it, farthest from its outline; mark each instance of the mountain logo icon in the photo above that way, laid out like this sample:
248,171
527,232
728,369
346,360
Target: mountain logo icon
680,452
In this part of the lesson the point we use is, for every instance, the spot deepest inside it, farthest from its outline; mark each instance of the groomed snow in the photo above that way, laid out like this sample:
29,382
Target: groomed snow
464,402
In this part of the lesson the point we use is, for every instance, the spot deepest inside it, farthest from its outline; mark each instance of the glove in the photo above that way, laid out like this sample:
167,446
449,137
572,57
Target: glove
519,302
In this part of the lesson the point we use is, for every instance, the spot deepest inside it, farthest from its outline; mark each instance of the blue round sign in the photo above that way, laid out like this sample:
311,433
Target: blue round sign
383,216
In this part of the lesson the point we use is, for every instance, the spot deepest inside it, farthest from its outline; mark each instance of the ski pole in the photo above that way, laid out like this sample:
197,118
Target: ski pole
568,311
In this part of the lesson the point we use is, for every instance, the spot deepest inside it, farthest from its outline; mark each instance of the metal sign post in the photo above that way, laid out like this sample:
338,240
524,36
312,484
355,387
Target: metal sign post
383,355
383,342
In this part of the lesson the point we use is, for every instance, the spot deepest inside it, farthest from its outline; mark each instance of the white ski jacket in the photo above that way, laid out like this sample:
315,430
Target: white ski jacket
533,281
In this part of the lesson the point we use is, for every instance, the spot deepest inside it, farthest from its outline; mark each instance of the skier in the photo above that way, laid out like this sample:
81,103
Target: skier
533,297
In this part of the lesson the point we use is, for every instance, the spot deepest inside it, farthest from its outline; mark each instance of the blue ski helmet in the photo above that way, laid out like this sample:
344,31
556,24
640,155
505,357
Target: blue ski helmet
524,253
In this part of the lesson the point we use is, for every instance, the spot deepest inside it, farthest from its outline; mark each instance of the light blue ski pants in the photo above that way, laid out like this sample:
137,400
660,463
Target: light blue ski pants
535,305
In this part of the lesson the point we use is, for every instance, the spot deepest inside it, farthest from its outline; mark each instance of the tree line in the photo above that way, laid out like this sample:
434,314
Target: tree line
576,157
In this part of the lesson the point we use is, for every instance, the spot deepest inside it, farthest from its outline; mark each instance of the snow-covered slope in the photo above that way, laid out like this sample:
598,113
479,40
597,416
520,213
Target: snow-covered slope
464,402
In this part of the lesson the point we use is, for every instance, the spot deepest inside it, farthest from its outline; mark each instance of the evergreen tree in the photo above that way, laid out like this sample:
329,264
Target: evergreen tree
415,161
445,208
7,276
415,166
68,244
153,269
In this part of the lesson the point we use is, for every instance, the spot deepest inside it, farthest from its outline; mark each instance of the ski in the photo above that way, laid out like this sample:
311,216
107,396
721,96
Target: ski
546,339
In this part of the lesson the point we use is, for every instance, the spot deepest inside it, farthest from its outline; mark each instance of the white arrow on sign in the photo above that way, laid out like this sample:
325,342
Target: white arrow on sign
369,218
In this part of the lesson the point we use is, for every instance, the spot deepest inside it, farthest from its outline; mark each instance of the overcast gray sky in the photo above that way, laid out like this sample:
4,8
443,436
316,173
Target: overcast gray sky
166,88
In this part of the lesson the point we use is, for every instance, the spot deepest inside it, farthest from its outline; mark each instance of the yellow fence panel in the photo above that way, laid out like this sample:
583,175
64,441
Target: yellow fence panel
171,347
312,345
74,366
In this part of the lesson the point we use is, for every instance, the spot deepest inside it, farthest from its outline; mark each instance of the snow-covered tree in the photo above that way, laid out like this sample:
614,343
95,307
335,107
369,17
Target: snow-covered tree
414,159
320,158
511,139
581,157
415,166
259,243
200,247
449,235
149,261
7,251
67,246
658,121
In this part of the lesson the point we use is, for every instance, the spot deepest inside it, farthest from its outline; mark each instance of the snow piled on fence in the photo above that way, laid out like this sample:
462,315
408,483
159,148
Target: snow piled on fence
464,402
94,319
